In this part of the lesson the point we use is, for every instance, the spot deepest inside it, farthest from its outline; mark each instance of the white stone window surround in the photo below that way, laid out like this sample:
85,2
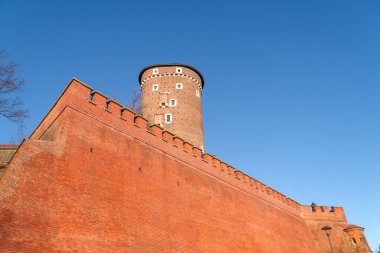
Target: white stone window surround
155,71
155,87
173,102
197,93
178,70
168,118
179,86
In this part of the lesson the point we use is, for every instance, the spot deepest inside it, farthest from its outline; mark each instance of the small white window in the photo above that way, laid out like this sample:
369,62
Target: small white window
168,118
197,93
155,87
155,71
179,86
173,102
178,70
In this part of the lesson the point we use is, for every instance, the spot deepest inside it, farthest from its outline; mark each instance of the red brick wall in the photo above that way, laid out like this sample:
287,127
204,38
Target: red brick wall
6,153
334,217
91,181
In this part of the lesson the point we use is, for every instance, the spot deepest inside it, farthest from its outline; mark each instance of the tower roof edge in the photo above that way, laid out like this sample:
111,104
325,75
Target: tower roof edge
168,65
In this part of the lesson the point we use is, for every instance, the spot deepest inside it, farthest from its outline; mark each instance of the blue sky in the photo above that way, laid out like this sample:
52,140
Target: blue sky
291,87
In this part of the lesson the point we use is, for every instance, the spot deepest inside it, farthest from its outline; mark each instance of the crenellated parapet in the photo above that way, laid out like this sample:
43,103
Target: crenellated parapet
345,238
83,99
315,212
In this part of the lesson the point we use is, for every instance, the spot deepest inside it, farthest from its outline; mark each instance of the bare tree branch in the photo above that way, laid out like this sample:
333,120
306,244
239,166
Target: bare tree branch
20,135
10,85
134,103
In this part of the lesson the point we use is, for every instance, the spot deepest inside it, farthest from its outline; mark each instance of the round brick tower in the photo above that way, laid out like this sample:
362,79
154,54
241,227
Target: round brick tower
171,96
357,238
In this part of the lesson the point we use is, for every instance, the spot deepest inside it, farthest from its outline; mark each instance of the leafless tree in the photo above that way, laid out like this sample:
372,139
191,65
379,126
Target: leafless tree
20,135
134,103
10,86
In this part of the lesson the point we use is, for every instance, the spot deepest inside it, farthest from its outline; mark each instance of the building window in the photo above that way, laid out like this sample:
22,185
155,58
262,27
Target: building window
179,86
354,241
155,87
178,70
168,118
155,71
173,102
197,93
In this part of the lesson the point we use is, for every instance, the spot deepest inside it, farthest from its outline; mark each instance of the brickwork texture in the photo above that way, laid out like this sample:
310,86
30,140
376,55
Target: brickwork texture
95,177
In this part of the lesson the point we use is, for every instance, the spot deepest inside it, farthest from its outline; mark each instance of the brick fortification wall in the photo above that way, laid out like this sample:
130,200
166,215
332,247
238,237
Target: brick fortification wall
93,180
93,177
318,216
6,153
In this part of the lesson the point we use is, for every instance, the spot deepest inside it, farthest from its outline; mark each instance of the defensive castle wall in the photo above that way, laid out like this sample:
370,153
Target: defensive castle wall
82,97
96,177
6,153
317,217
323,213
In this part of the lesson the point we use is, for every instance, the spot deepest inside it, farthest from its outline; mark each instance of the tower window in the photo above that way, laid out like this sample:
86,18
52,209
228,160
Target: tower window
197,93
178,70
163,100
354,241
155,87
155,71
173,102
168,118
179,86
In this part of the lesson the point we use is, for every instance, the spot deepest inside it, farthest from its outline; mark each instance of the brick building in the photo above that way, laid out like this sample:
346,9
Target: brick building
96,177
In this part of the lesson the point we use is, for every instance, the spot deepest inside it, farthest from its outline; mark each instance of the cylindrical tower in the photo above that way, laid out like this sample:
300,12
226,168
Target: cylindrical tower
357,239
171,96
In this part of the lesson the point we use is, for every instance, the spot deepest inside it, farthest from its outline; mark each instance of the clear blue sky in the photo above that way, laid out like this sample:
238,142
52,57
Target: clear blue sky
291,87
